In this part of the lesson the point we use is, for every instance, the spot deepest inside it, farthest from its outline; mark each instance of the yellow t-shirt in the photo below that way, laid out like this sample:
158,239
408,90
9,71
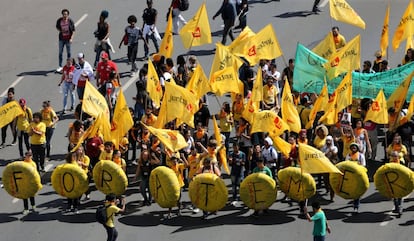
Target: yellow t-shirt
346,149
339,41
23,121
110,213
178,169
149,121
86,162
318,142
225,126
31,163
105,156
120,162
269,94
47,117
193,165
37,139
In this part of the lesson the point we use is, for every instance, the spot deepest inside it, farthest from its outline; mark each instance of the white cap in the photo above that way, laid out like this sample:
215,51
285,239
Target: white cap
81,55
269,140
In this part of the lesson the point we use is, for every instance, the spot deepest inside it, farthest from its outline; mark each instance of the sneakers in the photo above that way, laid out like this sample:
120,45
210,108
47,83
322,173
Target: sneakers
59,69
196,210
33,209
14,143
2,145
75,211
25,212
135,163
71,108
234,203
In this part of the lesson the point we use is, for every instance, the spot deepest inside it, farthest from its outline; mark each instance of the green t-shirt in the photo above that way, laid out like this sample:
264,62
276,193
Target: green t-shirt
319,227
265,170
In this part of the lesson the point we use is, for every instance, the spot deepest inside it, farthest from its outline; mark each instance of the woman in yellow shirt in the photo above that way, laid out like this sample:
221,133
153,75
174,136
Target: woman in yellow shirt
116,157
74,133
111,210
37,133
28,159
23,122
226,122
50,118
178,165
84,162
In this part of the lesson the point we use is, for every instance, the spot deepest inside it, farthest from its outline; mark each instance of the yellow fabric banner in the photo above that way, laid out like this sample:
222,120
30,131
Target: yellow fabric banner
9,111
222,151
197,31
268,121
93,102
281,145
289,112
346,58
249,109
264,45
405,27
238,46
224,81
167,44
410,110
154,88
199,84
319,105
385,32
257,91
341,11
326,47
122,120
399,95
223,58
180,103
171,139
314,161
378,112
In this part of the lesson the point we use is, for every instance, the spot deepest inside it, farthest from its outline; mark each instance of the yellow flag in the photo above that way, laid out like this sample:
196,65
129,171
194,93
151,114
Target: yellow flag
385,32
405,27
289,112
257,91
197,31
171,139
281,145
410,43
314,161
410,110
340,99
154,88
222,151
93,102
319,105
238,46
264,45
326,47
343,12
122,120
162,116
9,111
181,104
249,109
397,98
223,58
268,121
224,81
167,45
345,59
100,127
378,112
199,84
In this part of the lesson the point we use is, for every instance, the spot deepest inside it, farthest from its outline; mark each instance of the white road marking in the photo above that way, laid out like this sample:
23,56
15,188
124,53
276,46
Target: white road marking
48,167
81,19
385,223
321,5
15,200
12,85
129,82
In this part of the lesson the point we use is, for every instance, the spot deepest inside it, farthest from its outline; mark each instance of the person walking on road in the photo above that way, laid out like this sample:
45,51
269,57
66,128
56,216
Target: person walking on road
68,86
105,67
177,17
12,124
320,226
102,37
50,119
37,133
111,210
23,122
66,29
149,30
228,14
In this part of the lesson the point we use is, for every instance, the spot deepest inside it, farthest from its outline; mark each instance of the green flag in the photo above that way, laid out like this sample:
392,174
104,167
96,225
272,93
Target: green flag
309,72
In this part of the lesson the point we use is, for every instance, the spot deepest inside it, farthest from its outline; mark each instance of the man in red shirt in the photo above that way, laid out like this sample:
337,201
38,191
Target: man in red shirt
105,67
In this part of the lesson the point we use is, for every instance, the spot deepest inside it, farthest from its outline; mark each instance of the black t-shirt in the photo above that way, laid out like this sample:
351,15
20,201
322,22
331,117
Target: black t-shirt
149,16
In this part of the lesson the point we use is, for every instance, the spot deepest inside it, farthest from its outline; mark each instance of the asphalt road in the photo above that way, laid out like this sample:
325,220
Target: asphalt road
29,57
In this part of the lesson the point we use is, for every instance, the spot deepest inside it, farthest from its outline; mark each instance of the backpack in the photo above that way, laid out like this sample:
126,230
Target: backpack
100,214
184,4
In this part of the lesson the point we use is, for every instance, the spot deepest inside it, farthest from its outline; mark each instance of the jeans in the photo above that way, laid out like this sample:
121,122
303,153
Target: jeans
154,40
132,55
80,91
235,183
23,136
318,238
63,43
228,30
144,185
26,202
38,152
49,134
112,233
68,89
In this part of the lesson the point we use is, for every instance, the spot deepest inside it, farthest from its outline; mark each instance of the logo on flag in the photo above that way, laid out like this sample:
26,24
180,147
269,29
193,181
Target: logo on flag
252,51
197,33
277,122
172,135
335,62
375,106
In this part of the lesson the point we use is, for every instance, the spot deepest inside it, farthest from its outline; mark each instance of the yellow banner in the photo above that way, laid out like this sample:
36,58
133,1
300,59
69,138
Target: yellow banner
385,32
346,58
171,139
154,88
326,47
405,28
9,111
410,110
167,44
222,151
224,81
257,91
343,12
93,102
197,31
238,46
199,84
122,120
180,103
249,109
281,145
319,105
314,161
223,58
378,112
264,45
399,95
289,112
268,121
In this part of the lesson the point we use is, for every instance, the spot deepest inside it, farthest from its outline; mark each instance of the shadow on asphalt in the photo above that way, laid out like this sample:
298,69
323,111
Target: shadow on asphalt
7,217
374,198
368,217
36,73
303,14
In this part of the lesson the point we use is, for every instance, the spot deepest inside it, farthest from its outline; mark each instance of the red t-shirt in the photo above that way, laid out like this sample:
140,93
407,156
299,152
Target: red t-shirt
68,73
105,69
65,29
